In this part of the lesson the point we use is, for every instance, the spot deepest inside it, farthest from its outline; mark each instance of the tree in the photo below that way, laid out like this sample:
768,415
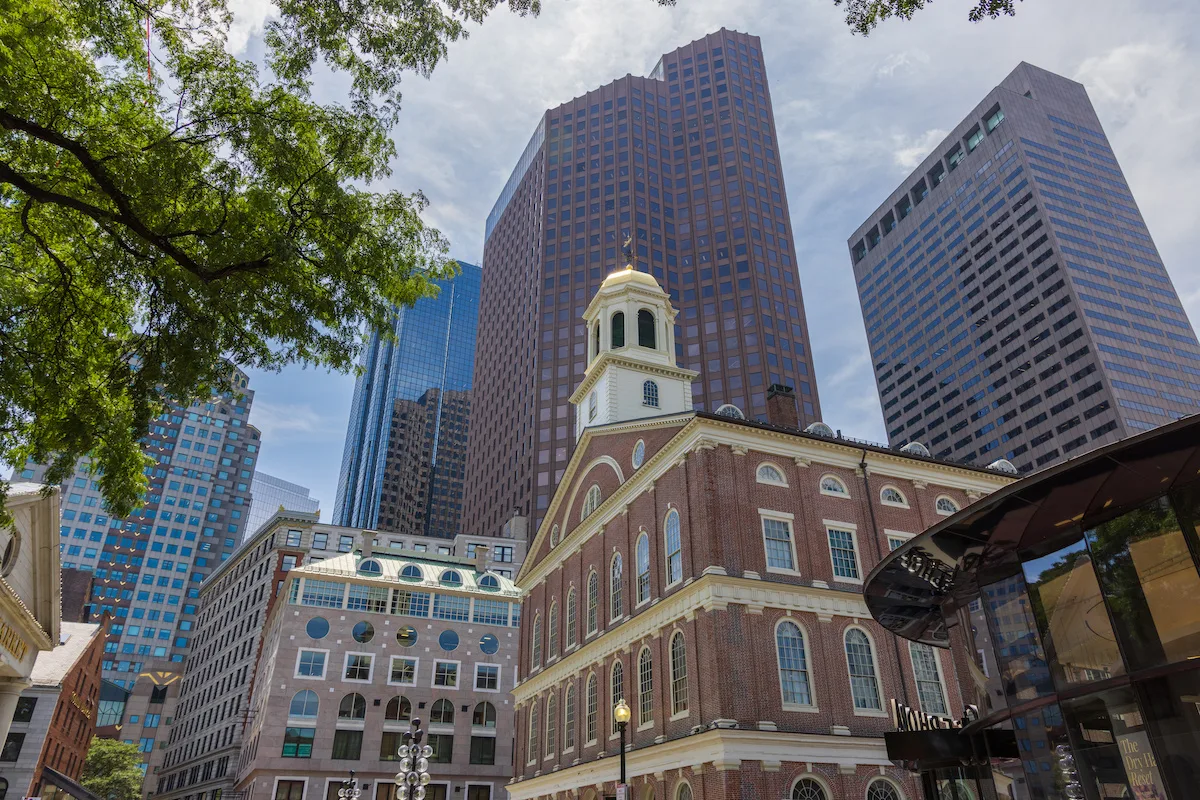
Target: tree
863,15
165,210
112,770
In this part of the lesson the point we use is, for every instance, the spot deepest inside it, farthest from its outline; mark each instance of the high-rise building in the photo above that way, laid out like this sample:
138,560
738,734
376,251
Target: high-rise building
1024,312
686,163
149,566
271,494
403,465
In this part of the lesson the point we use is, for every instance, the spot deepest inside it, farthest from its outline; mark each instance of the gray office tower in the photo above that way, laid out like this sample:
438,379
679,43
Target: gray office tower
1016,306
405,456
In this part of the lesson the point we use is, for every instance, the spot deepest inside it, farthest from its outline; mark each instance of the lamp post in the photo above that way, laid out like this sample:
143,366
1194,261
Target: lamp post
621,714
414,764
349,790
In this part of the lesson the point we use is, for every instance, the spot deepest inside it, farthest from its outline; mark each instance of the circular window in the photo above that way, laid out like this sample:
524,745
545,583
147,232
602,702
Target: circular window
489,644
407,636
451,577
9,550
317,627
363,632
639,453
448,641
411,572
489,582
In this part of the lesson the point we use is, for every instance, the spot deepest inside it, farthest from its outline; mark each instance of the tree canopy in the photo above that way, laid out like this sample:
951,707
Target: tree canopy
165,209
863,15
112,770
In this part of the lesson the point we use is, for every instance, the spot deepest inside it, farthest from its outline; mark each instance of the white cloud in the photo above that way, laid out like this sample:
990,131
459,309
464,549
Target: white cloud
908,153
290,419
249,20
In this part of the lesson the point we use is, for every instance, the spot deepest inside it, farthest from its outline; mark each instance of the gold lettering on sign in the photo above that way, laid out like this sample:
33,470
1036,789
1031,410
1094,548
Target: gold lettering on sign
12,642
79,704
1141,768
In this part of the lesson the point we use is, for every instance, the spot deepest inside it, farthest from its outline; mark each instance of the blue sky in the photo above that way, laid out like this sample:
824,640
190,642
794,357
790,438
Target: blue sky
854,116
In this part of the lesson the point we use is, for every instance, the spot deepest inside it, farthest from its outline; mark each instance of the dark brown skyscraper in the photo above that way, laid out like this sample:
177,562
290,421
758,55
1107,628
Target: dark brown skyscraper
686,162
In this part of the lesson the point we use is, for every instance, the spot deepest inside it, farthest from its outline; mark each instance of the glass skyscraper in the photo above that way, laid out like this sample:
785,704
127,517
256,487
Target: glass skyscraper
686,162
405,455
1016,306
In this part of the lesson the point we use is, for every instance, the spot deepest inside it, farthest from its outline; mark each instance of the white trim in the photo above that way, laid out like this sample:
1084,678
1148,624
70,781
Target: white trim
937,663
668,583
643,533
886,779
346,666
864,712
780,516
889,534
475,677
939,512
324,666
893,503
811,707
770,482
457,674
416,668
815,778
677,790
852,529
821,488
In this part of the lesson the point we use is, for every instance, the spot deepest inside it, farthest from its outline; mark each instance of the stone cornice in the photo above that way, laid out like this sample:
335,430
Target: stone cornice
720,746
612,358
711,591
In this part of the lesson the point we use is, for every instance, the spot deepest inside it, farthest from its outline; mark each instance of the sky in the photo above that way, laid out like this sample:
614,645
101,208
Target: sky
854,116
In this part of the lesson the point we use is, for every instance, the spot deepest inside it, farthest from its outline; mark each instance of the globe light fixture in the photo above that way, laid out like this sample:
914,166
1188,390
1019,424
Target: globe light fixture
413,776
622,714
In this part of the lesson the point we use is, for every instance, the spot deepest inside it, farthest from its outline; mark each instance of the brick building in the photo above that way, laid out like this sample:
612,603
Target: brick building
707,569
55,717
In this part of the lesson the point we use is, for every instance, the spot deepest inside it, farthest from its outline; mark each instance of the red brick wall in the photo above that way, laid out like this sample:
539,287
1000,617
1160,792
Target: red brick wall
74,721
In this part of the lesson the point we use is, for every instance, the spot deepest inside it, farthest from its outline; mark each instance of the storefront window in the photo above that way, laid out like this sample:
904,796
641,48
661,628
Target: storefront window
1019,654
1071,616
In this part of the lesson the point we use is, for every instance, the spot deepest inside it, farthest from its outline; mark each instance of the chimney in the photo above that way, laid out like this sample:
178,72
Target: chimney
368,543
781,407
481,557
517,527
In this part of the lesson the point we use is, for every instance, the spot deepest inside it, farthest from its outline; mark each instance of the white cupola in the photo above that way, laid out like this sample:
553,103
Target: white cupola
631,373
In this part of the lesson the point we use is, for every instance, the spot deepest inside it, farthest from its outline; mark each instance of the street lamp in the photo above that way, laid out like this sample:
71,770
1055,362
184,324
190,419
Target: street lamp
413,776
349,790
622,714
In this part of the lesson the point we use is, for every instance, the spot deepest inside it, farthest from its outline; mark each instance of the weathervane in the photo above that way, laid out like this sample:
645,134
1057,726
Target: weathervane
627,249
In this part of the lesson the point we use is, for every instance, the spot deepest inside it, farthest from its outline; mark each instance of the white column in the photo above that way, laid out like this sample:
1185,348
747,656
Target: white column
10,690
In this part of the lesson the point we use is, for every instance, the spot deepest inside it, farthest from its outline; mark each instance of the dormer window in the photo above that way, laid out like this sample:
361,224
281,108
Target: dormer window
646,329
618,330
650,394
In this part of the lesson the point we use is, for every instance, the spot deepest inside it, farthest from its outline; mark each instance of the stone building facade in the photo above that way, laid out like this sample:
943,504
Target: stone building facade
708,570
365,642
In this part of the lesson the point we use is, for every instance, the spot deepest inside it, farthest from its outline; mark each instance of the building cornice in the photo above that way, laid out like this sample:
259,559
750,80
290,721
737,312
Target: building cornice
612,358
712,591
722,747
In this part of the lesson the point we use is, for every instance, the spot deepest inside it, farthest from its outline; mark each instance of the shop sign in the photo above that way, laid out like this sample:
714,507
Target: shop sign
12,642
907,718
1141,768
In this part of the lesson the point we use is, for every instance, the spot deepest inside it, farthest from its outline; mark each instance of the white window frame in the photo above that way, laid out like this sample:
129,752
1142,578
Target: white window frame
416,669
291,779
889,534
457,674
672,678
667,549
567,692
941,513
588,605
937,662
616,594
811,707
324,670
499,678
885,779
864,712
781,516
903,497
638,571
815,778
845,494
642,723
770,481
346,666
571,618
852,529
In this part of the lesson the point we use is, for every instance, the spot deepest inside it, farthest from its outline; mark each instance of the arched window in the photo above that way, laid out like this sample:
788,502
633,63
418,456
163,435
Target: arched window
554,535
304,704
535,644
552,633
650,394
618,690
370,567
593,603
616,604
645,687
891,496
793,664
442,713
531,749
489,582
729,410
569,718
551,724
484,715
929,679
592,709
596,340
642,566
834,486
769,473
860,660
808,789
679,678
451,577
882,789
945,506
398,709
618,330
572,632
683,791
674,548
591,501
411,572
353,706
646,329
